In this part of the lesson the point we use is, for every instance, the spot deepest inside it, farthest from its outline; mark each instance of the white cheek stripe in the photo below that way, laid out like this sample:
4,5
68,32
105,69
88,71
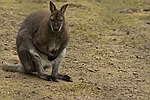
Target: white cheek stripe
52,27
60,27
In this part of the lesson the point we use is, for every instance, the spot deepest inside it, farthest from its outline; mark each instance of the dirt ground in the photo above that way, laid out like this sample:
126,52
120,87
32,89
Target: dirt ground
108,55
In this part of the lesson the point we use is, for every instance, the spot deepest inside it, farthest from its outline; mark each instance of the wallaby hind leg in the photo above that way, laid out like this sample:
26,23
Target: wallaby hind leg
29,57
55,68
32,62
26,61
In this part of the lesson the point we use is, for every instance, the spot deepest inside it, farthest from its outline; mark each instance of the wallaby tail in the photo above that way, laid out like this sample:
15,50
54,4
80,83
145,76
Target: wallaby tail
12,67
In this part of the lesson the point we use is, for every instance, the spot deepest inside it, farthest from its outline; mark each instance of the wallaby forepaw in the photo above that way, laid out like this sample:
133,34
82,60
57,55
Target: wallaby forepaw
67,78
52,78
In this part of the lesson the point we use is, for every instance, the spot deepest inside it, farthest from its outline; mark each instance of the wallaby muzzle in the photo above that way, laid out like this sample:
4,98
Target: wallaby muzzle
56,27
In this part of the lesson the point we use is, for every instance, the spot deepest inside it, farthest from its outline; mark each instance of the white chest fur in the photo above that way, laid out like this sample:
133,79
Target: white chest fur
44,59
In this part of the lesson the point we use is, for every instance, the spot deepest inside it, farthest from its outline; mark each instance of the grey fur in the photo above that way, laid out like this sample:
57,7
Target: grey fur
41,42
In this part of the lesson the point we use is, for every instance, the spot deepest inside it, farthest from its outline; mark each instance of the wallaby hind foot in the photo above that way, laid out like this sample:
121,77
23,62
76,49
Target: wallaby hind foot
55,78
64,77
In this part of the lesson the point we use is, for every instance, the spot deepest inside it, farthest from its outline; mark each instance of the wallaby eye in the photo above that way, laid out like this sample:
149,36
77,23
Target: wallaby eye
52,18
61,19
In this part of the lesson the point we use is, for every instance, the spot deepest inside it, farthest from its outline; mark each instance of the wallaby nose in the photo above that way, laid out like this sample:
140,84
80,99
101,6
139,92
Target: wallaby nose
56,28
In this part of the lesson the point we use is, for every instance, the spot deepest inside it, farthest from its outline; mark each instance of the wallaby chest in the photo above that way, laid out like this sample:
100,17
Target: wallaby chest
55,43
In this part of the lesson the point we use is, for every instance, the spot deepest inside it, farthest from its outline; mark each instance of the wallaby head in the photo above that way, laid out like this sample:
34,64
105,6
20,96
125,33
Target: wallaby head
57,20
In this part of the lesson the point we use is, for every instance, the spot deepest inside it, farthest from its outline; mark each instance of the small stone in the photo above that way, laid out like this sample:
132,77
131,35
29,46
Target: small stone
97,47
148,23
114,29
9,76
97,58
33,92
75,61
109,73
81,67
135,73
5,48
81,79
90,70
98,88
146,9
128,32
14,53
114,39
5,43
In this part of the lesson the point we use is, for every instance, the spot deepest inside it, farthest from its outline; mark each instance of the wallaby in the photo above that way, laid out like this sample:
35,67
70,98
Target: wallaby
41,42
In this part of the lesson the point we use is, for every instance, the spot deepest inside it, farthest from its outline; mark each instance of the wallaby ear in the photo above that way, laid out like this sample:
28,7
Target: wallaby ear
63,9
52,7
